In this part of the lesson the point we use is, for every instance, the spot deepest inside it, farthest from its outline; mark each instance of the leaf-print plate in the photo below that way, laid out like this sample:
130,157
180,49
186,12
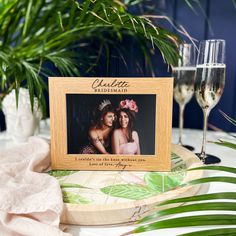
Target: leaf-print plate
122,197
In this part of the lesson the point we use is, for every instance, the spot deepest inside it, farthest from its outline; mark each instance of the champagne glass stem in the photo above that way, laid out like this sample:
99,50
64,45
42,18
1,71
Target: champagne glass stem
181,121
202,155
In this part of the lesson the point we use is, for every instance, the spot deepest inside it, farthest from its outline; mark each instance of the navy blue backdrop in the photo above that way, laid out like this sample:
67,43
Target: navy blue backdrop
220,23
213,19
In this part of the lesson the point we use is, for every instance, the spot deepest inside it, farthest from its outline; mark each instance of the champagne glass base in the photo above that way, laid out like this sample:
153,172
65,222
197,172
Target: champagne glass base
190,148
209,159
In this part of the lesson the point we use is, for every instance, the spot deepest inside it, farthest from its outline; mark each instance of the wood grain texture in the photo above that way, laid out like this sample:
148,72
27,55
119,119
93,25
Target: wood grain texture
161,87
114,210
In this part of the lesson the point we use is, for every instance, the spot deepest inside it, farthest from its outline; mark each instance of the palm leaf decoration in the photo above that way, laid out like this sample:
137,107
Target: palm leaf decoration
226,143
199,203
34,33
223,201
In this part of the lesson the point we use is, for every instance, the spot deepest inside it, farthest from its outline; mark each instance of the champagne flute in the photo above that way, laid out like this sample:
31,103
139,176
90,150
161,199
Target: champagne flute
184,75
209,84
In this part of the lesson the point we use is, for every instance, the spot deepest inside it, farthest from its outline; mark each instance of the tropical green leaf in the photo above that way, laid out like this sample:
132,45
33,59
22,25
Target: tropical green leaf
224,179
175,156
178,165
155,181
187,221
27,17
73,198
234,3
219,168
60,173
35,33
203,197
129,191
228,118
226,144
71,185
208,206
204,202
161,182
132,2
205,206
191,6
213,232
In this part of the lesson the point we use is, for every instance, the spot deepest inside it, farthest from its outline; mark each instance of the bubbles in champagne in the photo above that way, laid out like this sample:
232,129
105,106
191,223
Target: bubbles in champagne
209,84
183,84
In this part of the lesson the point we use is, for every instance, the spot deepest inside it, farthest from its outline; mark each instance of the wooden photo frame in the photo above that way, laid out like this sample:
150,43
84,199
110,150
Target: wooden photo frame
111,123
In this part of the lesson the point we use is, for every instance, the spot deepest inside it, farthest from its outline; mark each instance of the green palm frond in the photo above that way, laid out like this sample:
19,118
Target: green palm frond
226,144
220,202
213,232
33,33
222,142
199,203
187,221
234,3
208,206
228,118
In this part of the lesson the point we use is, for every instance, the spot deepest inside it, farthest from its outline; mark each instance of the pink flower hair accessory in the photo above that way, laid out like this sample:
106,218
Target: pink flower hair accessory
128,104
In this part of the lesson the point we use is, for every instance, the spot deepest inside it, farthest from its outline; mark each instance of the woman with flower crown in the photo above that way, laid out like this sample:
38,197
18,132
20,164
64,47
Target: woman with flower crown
100,132
125,139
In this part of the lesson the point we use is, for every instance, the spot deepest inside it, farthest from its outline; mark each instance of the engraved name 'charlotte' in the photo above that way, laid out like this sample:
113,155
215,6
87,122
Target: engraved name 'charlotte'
99,85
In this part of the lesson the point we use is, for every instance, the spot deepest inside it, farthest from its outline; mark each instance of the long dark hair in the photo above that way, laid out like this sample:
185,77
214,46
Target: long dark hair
131,123
99,114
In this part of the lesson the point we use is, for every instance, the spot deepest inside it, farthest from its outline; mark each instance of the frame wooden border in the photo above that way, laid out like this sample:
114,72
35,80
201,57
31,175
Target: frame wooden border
161,87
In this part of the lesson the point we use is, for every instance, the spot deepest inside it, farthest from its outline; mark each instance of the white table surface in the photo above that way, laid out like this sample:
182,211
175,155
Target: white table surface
190,137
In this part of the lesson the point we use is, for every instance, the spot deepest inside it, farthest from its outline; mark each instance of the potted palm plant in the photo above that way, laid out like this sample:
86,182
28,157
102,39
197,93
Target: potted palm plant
51,32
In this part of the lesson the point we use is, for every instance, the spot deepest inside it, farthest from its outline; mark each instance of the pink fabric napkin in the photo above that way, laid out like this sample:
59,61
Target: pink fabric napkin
30,201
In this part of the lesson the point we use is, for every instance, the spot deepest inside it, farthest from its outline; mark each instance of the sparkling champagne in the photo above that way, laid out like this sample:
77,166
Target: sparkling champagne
209,84
183,84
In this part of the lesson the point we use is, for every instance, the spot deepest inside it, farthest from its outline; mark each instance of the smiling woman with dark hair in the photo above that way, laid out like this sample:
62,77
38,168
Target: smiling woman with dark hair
100,132
125,139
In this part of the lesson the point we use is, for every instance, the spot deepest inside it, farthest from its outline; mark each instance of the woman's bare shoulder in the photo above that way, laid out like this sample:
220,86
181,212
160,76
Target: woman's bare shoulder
135,133
93,131
116,131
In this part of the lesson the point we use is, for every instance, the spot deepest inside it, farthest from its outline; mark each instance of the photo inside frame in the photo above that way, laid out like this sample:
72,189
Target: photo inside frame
83,112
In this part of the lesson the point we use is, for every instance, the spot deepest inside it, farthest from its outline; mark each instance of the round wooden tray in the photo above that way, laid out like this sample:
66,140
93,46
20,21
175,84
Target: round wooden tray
122,197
